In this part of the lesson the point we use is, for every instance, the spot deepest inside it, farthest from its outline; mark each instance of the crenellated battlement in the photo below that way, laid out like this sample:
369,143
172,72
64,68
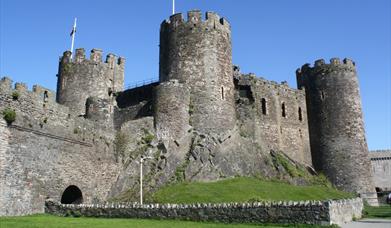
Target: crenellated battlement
194,19
250,79
95,57
37,91
321,65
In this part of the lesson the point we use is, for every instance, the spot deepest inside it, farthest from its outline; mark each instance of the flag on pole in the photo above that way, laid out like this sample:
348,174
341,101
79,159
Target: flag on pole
73,36
73,28
73,31
173,6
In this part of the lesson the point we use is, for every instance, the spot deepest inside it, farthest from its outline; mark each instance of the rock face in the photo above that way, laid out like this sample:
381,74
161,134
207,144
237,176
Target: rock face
204,120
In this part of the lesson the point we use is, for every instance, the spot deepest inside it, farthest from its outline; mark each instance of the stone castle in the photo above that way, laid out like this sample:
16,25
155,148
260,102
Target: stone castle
203,120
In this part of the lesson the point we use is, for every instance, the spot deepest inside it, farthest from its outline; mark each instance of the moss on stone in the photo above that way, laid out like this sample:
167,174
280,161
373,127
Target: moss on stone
15,95
9,115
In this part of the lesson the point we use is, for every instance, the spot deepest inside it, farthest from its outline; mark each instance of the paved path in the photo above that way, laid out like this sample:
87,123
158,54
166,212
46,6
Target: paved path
369,223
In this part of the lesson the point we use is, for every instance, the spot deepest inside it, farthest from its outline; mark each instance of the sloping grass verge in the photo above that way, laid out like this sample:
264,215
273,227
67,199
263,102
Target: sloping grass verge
243,189
383,211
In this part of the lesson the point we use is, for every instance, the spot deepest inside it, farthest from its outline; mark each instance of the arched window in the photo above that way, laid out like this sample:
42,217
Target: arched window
300,114
283,112
72,195
263,103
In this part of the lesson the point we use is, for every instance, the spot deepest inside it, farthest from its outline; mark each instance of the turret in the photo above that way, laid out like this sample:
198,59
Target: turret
80,78
197,52
337,136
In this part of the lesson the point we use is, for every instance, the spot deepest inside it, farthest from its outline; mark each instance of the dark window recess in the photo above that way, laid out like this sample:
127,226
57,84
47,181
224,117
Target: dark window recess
300,115
283,111
263,103
222,93
245,92
45,96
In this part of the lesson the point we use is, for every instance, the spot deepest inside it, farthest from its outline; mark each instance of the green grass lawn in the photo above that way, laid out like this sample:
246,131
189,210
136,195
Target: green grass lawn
243,189
383,211
50,221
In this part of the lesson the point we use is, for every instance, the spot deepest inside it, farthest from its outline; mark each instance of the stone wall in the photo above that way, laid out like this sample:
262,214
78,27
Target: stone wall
338,144
134,104
80,78
381,166
274,115
309,212
172,111
46,149
198,53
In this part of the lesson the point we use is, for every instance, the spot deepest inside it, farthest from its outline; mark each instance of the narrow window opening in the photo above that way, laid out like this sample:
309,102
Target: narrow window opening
300,114
222,93
322,95
45,96
264,111
283,110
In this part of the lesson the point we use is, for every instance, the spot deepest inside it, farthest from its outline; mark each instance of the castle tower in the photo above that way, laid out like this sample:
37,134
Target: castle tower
198,53
80,78
171,110
337,136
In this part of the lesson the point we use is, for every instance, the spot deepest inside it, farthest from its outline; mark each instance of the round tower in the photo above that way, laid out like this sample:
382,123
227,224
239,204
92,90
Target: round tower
171,110
198,53
99,110
337,136
80,78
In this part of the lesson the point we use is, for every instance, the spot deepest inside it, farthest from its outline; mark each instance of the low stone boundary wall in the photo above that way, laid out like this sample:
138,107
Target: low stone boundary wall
307,212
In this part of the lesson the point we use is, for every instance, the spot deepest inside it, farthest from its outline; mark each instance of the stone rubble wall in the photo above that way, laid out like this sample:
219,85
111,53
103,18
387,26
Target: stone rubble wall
337,134
381,166
308,212
46,149
266,124
80,78
198,53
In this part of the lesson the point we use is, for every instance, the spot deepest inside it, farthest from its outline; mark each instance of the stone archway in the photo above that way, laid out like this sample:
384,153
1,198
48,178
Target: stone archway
72,195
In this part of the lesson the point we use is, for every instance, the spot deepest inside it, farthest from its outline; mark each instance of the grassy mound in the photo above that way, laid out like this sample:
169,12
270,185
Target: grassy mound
243,189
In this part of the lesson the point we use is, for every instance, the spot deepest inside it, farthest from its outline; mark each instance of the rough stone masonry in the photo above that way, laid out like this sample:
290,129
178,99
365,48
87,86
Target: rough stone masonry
203,120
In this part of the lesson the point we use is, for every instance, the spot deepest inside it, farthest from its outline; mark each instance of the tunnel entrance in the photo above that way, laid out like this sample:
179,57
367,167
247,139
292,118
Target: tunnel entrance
72,195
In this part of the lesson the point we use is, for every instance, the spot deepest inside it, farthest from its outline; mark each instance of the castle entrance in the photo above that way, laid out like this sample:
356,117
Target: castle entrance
72,195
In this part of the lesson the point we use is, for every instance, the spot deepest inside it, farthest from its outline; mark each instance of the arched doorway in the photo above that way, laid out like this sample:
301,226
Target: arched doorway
72,195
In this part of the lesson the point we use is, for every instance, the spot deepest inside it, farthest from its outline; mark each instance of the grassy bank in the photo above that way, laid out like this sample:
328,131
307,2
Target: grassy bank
243,189
383,211
49,221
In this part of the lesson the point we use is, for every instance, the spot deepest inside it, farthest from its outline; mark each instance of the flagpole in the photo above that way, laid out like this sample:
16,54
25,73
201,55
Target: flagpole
73,36
173,6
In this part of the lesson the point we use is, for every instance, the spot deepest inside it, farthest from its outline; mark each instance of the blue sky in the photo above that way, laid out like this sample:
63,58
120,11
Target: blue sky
270,38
